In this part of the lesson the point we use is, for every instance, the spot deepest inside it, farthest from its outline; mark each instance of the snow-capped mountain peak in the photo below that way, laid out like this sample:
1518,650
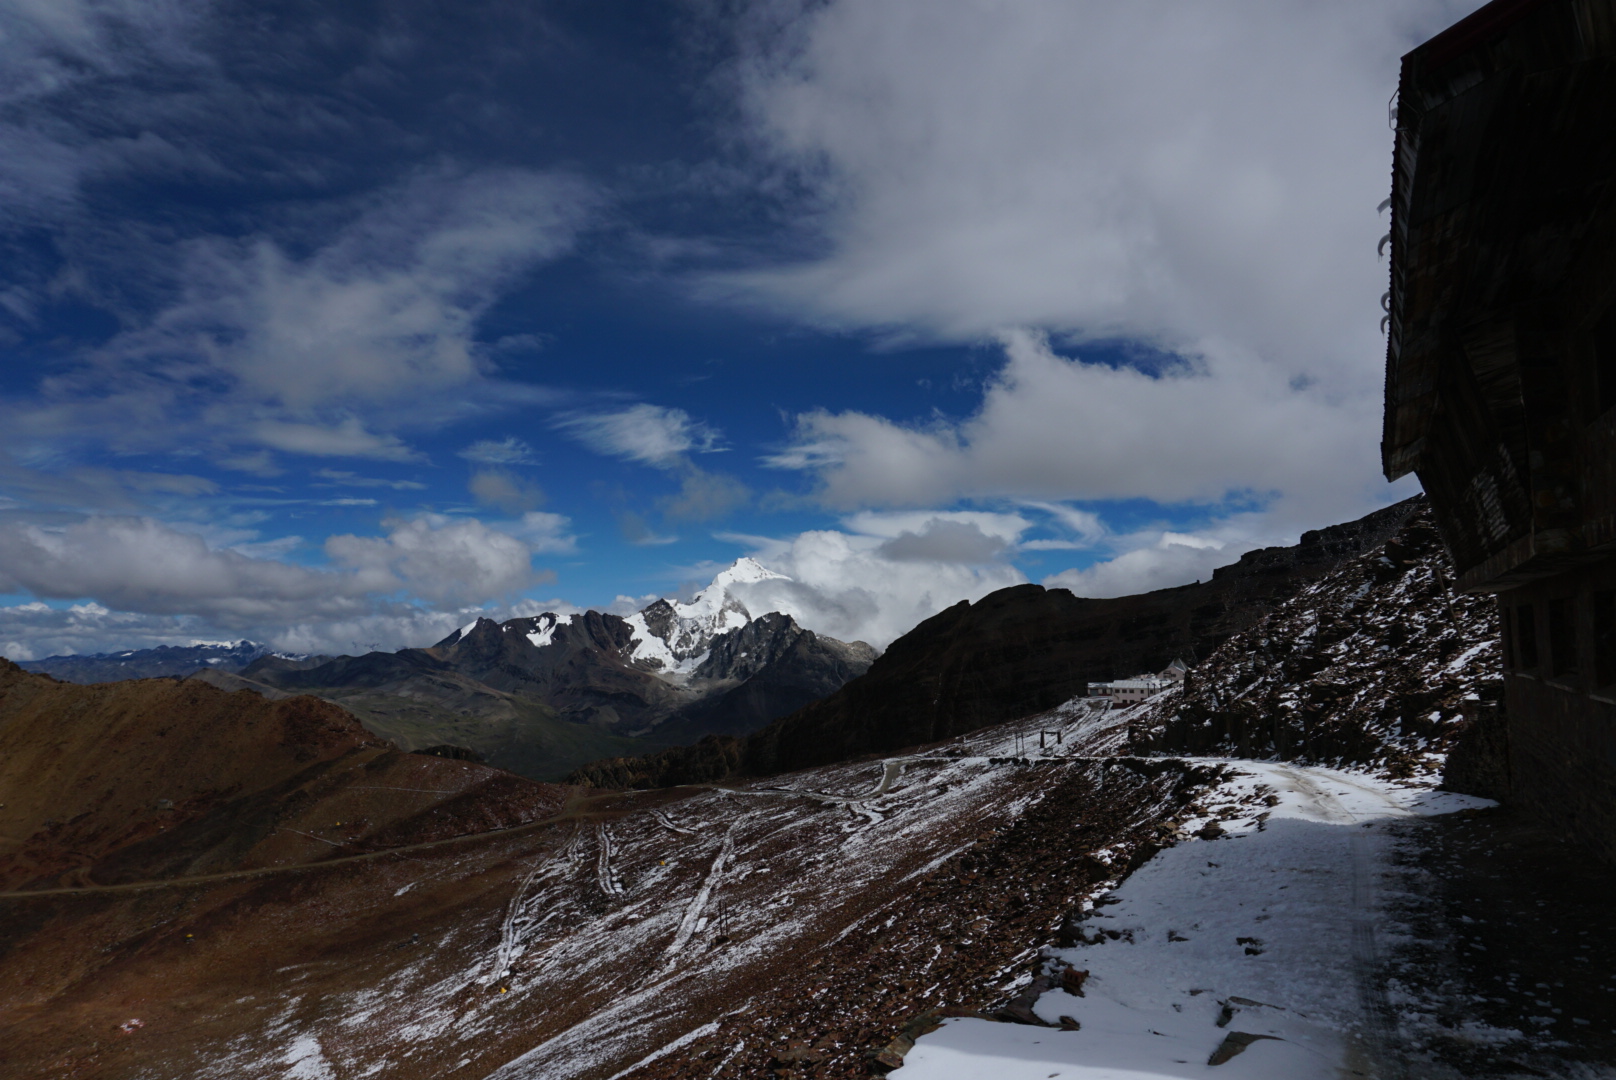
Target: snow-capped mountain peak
674,637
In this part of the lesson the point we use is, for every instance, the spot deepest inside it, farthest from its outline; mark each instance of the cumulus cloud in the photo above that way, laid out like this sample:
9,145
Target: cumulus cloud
845,586
881,574
143,567
1151,169
1167,560
1196,181
544,534
645,433
440,559
1056,428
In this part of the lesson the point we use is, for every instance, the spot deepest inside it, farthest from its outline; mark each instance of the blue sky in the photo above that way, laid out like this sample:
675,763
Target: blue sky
329,324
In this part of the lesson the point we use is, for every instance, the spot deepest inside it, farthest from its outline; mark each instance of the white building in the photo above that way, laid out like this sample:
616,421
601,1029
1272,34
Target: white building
1134,690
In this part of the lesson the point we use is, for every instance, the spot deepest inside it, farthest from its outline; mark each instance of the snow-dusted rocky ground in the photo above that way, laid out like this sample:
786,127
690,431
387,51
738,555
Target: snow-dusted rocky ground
1261,935
1368,666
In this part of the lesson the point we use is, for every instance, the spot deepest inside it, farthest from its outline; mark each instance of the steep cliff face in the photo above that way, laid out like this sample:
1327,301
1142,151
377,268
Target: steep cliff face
1014,653
1370,664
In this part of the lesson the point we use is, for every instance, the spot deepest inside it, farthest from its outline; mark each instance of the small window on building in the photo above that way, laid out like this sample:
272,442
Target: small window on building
1526,637
1605,637
1563,636
1506,636
1605,360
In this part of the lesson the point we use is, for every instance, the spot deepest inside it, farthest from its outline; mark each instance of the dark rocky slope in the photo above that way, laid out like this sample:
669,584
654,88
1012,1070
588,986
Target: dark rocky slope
1372,664
1016,652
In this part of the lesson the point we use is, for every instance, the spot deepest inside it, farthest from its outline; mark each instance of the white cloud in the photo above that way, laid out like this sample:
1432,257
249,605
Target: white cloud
49,47
1156,169
326,353
141,567
347,438
703,495
1161,558
507,451
545,534
387,308
649,434
441,559
504,490
876,585
342,478
1197,178
1053,428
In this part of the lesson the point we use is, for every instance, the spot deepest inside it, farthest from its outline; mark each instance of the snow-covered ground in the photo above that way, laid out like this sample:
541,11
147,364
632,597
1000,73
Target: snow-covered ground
1269,929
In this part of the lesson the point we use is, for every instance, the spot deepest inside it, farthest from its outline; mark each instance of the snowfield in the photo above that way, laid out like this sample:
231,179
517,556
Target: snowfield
1258,937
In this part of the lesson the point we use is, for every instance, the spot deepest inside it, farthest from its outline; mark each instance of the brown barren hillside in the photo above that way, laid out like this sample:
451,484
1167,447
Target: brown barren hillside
158,778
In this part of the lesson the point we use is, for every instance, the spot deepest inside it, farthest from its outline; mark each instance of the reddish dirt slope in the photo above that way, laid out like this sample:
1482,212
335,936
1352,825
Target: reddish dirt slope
157,778
832,906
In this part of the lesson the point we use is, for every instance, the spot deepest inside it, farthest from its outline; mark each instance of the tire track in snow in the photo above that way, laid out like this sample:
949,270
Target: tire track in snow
687,924
508,931
603,863
666,822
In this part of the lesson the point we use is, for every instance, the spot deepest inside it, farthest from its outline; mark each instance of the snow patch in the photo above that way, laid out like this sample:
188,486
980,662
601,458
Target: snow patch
305,1060
547,624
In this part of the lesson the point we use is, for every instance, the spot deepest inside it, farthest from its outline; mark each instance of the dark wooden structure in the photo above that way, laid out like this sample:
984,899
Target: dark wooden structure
1501,364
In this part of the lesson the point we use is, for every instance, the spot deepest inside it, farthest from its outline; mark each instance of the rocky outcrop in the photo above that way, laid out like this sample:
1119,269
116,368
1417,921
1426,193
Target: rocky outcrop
1375,663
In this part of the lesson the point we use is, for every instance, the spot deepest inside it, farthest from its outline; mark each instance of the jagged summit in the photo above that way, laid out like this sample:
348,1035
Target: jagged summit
675,638
667,637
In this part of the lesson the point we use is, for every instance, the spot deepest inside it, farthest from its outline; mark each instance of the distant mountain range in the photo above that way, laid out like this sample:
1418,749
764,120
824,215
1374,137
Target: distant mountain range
544,694
165,660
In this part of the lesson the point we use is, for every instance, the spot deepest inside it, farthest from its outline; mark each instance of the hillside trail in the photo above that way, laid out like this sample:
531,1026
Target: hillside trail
1262,927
